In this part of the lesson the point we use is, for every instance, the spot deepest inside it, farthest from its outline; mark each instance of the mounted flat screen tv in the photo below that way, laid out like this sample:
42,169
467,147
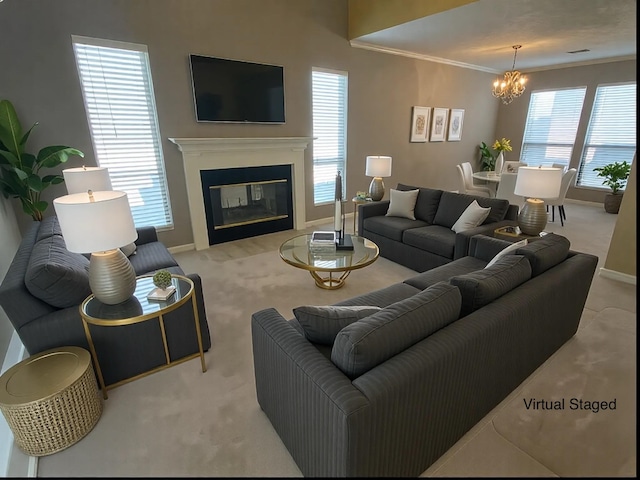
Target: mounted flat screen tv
236,91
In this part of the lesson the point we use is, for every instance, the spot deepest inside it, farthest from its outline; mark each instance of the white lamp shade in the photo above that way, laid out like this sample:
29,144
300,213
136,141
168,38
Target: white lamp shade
538,182
79,180
95,226
378,166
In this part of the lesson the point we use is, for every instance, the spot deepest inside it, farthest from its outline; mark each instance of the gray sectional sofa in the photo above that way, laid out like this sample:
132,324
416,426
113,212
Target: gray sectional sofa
45,285
428,241
385,390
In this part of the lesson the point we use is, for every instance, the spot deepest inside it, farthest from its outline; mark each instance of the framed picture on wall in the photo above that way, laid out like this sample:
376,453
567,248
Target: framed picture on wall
420,124
455,125
439,124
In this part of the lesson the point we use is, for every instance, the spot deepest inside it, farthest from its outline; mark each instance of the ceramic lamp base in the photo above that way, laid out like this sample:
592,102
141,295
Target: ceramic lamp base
533,217
111,277
376,189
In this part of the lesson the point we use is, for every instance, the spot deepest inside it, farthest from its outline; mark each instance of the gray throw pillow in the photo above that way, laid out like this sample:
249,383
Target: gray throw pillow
482,287
402,204
55,275
370,341
321,324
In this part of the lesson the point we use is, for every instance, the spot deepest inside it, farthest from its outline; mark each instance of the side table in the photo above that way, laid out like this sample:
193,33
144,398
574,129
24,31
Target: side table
140,309
357,201
512,233
50,400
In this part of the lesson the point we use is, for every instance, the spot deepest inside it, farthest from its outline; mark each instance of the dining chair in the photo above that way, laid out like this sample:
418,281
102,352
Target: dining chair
506,187
466,177
563,166
512,167
567,179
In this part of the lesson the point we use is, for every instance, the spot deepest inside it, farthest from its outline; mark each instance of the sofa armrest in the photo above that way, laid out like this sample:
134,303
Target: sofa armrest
463,238
309,401
373,209
484,247
146,235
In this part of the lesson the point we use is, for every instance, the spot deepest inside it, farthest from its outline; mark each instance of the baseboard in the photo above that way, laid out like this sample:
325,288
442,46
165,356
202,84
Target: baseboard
181,248
14,462
619,276
583,202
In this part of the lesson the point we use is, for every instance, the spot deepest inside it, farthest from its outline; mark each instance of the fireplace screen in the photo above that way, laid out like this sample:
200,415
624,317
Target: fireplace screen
245,203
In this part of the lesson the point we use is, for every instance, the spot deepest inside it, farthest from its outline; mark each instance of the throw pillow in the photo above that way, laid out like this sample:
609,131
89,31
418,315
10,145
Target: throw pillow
473,216
510,249
368,342
322,324
402,204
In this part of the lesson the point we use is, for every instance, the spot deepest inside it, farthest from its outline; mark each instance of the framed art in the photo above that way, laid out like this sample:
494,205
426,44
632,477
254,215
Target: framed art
439,124
455,125
420,124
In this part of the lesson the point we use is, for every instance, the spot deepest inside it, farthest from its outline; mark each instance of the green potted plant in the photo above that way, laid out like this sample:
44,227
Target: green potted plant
487,159
20,175
615,177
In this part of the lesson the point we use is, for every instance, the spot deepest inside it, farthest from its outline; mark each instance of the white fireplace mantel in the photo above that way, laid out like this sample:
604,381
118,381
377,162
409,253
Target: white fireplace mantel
216,153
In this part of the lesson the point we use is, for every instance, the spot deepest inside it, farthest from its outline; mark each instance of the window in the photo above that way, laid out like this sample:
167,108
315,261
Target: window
330,130
120,105
552,122
611,136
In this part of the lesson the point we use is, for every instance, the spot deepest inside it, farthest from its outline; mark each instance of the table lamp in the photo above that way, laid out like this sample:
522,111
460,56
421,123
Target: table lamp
100,223
378,166
536,183
82,179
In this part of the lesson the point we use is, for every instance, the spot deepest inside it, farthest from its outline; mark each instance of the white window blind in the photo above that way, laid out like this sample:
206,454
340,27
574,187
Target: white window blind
552,123
329,128
611,136
120,104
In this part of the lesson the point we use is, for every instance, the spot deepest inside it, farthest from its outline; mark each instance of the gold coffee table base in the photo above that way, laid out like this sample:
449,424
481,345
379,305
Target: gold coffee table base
330,282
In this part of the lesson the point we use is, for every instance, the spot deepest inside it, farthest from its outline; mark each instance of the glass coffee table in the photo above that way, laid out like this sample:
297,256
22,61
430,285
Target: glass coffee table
337,264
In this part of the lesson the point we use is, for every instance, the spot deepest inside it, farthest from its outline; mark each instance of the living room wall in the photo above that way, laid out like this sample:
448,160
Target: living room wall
9,241
40,78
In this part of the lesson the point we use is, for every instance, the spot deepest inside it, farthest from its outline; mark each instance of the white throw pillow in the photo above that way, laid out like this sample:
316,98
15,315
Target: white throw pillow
402,203
510,249
473,216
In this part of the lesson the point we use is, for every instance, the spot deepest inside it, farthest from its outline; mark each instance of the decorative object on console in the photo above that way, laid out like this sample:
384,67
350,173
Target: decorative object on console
439,124
455,125
512,85
378,166
420,124
536,183
343,240
100,223
21,178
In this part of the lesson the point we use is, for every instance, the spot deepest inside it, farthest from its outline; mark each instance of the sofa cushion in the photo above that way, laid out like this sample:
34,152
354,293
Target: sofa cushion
545,253
433,238
55,275
473,216
452,205
507,250
374,339
48,226
150,257
321,324
391,227
402,204
427,202
443,273
383,297
482,287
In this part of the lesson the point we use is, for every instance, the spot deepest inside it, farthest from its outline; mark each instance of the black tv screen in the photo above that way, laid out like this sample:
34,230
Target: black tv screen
236,91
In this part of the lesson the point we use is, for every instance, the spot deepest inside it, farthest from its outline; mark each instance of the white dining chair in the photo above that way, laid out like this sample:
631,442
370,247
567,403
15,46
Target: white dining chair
466,181
506,187
568,179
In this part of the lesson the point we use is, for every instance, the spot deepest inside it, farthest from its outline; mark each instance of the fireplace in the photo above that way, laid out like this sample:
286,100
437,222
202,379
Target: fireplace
219,154
245,202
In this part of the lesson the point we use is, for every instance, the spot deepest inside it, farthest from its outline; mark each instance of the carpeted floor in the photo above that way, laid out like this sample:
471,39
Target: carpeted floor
182,422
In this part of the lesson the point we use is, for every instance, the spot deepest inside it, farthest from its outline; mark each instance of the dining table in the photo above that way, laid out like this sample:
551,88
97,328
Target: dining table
491,177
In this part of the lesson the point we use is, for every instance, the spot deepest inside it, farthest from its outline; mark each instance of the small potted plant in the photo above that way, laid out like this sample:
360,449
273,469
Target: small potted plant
487,159
164,289
615,177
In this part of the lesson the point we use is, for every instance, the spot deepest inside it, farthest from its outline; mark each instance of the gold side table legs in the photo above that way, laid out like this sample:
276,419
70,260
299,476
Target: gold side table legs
330,282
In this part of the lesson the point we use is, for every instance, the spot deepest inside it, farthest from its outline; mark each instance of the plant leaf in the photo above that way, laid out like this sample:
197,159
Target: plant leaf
22,175
52,179
55,155
25,137
10,129
9,158
35,183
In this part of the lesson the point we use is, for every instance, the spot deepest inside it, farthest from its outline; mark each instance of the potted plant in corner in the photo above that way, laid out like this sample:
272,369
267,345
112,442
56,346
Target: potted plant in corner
615,177
487,160
20,171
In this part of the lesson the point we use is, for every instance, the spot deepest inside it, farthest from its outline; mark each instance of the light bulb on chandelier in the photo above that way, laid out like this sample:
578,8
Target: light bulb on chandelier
512,85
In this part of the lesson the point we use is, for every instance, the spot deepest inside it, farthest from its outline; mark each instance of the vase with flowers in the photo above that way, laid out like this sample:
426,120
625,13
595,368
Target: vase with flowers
501,146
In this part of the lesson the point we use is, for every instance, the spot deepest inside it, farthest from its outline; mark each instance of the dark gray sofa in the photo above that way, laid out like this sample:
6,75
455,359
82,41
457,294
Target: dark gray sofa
428,241
390,396
45,285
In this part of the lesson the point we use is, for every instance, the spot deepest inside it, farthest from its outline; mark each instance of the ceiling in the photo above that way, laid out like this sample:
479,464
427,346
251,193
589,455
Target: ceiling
480,35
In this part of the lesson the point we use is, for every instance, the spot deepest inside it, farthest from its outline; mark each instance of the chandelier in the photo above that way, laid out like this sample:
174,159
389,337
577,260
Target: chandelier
512,85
